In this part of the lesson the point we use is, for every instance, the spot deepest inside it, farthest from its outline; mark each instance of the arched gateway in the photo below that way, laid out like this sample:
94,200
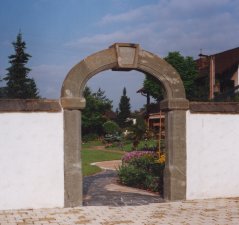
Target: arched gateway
118,57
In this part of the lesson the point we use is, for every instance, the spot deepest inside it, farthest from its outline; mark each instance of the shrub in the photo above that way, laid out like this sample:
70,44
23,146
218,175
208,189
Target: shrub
131,175
90,137
142,169
110,127
150,148
110,138
137,154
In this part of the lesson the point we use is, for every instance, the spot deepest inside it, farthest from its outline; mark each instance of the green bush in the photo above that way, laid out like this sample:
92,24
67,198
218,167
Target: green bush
144,162
110,127
110,138
90,137
142,172
131,176
152,183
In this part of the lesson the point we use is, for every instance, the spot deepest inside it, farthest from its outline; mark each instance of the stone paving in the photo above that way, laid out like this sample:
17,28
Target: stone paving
200,212
102,189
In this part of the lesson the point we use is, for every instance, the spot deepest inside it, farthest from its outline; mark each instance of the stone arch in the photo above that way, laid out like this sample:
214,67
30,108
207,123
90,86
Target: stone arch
125,57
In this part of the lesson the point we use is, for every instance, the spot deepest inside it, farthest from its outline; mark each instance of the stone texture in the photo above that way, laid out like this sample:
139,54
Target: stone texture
174,104
78,76
29,105
125,56
164,72
72,158
102,189
214,107
175,170
198,212
73,103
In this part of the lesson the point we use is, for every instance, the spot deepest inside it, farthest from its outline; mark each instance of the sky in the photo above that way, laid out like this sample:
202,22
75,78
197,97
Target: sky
61,33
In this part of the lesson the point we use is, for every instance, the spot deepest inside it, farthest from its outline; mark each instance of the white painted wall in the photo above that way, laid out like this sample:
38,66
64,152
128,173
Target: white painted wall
31,160
212,155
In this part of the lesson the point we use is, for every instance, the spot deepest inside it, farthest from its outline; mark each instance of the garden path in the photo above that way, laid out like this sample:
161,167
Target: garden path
103,189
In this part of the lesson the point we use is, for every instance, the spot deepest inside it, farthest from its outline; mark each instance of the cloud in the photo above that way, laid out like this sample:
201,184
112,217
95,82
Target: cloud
102,41
165,8
185,26
169,25
132,15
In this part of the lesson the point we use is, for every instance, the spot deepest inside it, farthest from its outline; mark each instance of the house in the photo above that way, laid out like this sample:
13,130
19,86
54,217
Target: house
218,79
153,116
221,72
110,115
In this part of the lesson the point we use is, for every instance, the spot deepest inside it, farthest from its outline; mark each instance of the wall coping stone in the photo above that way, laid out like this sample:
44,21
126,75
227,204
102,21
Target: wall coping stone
30,105
214,107
174,104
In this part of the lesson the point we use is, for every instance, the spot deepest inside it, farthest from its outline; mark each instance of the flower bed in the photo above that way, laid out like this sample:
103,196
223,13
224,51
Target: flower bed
138,154
142,169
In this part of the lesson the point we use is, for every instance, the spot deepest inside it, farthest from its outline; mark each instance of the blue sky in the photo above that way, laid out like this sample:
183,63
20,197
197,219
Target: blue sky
60,33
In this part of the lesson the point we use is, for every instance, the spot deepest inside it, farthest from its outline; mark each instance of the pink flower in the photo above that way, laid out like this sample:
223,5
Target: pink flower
137,154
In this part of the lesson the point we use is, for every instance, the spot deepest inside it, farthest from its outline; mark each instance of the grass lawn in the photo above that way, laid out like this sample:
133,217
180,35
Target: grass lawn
91,144
127,146
90,156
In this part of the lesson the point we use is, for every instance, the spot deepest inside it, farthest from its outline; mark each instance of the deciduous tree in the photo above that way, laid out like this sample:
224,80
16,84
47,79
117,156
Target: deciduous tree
186,68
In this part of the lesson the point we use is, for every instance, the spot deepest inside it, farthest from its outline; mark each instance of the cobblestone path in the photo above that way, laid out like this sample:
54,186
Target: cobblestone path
102,189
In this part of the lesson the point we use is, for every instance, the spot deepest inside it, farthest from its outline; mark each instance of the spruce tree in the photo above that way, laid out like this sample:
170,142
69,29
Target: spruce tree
93,115
124,110
19,85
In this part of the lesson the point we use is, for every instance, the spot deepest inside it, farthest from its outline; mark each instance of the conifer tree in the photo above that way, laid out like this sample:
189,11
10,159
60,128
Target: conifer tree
93,115
124,110
19,85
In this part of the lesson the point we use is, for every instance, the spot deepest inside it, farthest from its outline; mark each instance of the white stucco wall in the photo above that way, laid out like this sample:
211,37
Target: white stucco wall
212,155
31,160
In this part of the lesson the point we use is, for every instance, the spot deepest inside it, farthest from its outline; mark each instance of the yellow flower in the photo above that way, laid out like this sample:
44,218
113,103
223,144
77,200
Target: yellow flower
162,158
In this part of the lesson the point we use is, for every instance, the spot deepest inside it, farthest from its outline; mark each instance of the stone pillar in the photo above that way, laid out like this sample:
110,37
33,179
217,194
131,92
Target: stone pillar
175,169
72,158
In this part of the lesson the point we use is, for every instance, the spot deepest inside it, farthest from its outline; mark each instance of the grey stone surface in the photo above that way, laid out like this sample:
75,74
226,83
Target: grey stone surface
73,103
72,158
214,107
174,104
127,56
175,169
96,192
107,59
30,105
